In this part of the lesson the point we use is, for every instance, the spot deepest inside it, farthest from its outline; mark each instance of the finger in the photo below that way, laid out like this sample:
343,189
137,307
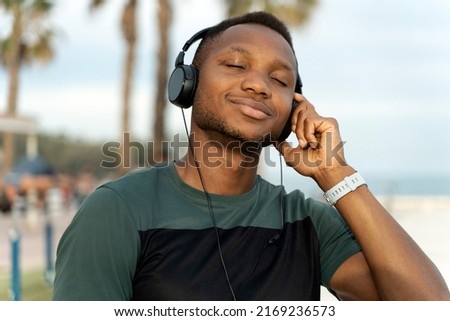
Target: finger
302,104
290,154
298,97
305,112
298,128
310,133
295,114
283,147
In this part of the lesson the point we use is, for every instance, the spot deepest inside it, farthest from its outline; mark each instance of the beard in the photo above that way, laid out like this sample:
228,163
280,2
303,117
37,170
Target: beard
223,132
215,128
218,129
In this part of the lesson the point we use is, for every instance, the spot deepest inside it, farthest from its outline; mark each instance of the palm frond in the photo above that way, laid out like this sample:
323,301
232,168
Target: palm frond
96,4
292,12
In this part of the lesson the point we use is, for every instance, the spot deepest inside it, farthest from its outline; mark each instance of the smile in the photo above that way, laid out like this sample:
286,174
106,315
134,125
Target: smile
251,108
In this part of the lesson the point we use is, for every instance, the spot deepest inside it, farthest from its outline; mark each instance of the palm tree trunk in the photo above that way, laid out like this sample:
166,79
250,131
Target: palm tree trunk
13,88
130,34
164,20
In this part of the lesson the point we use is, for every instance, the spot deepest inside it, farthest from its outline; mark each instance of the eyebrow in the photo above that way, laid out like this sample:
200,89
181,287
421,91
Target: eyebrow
278,63
241,50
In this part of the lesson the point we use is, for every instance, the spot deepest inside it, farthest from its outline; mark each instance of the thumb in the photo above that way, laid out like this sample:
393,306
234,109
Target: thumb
283,147
292,155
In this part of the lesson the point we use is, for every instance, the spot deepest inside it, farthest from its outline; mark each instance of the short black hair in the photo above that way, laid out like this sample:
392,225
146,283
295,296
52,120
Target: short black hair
257,17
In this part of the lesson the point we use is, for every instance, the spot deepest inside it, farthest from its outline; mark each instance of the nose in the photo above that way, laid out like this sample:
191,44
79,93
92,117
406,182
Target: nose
256,83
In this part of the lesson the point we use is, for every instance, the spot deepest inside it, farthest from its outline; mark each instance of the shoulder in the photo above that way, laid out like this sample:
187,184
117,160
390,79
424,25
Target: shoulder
133,185
128,196
136,179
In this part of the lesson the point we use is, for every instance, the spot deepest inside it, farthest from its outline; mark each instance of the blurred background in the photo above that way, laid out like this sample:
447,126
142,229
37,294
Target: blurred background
76,75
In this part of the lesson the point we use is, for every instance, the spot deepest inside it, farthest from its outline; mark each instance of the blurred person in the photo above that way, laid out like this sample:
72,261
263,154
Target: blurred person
65,185
84,185
5,202
36,188
208,227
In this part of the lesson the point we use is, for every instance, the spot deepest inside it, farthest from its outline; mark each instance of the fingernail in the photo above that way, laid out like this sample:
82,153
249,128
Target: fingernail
313,145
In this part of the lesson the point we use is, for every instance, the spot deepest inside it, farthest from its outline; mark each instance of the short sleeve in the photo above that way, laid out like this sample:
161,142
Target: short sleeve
337,242
97,254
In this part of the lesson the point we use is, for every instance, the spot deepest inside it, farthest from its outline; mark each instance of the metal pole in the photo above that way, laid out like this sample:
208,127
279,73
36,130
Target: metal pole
15,266
51,209
49,250
16,287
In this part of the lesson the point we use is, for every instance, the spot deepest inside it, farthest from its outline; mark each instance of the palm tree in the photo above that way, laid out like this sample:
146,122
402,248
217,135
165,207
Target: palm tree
129,32
294,12
164,21
30,40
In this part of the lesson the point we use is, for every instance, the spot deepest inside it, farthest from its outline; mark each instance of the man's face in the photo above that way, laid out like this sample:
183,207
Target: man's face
246,85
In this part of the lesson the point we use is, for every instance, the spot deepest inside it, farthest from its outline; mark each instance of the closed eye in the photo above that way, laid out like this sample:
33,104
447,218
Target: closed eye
235,66
281,82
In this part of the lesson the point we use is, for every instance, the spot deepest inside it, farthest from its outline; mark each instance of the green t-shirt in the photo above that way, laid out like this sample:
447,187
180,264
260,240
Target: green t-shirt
150,236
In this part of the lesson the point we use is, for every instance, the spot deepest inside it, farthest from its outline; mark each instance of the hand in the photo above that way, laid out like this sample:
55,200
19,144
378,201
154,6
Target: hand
320,149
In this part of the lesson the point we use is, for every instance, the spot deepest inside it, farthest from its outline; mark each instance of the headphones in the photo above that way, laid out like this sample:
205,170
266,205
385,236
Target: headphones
183,83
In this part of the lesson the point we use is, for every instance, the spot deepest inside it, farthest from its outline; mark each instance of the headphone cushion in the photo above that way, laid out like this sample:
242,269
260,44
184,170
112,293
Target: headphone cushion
182,86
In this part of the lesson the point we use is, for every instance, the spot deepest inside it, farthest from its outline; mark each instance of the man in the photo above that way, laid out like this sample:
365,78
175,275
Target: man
207,227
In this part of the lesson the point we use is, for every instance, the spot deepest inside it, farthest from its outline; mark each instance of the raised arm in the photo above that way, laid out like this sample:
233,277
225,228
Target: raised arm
391,266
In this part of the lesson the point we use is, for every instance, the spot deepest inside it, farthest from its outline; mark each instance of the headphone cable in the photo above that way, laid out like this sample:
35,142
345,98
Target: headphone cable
210,210
281,195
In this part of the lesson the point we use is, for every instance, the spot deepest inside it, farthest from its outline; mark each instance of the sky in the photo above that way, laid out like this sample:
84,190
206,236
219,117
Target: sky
382,69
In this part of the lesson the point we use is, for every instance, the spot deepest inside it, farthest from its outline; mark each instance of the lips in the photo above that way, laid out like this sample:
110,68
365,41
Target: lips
251,107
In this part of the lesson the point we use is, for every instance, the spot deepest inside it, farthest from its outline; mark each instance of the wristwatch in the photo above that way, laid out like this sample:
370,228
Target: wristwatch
347,185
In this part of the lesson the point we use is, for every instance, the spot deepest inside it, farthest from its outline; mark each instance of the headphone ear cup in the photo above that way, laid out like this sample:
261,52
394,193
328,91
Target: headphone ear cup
286,131
287,127
182,85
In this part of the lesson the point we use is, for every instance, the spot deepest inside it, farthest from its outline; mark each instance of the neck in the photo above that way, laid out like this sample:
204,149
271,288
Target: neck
226,169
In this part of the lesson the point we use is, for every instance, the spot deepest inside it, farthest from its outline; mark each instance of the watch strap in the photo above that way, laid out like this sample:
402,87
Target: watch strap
347,185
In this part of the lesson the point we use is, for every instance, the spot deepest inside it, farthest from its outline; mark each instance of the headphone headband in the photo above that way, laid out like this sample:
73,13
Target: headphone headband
199,35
